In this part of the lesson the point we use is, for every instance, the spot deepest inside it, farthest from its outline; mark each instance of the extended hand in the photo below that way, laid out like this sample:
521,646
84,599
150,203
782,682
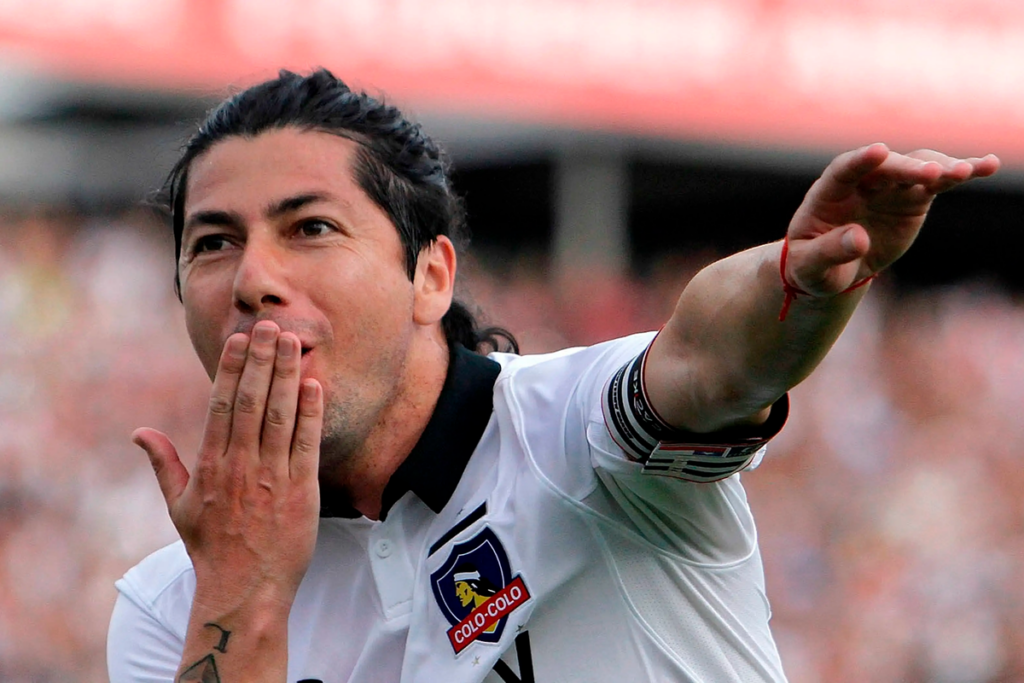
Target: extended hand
248,513
866,210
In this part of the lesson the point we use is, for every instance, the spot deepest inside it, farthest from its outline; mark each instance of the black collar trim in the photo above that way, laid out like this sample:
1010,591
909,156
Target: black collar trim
434,467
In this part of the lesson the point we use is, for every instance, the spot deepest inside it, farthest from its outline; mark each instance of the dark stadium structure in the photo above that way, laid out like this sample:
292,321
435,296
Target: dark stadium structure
97,149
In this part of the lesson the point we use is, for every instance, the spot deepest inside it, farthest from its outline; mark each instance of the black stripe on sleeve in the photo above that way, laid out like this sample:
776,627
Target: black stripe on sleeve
645,437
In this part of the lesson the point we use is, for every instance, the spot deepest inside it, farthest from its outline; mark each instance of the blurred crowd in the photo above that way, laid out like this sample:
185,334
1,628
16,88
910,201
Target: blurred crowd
889,509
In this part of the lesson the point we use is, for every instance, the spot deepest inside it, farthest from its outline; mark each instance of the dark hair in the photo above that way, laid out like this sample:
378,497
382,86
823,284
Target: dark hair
482,586
398,166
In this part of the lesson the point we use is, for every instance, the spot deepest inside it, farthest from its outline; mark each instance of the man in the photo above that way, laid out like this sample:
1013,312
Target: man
360,462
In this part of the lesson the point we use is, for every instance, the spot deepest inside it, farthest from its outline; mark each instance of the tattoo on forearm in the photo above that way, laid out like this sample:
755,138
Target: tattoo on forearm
222,646
203,671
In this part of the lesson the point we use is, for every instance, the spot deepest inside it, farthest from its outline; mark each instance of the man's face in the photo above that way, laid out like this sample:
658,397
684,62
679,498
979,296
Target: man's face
276,228
464,593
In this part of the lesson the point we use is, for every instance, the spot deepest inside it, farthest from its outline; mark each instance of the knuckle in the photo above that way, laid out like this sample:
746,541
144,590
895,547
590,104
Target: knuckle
277,417
206,468
305,445
220,405
261,357
284,371
247,402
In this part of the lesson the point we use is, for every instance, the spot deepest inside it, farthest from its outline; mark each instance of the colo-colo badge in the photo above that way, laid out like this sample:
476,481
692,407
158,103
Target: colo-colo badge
476,591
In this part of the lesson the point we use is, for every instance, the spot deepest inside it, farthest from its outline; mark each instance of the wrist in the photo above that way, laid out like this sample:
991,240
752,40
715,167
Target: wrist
249,643
259,601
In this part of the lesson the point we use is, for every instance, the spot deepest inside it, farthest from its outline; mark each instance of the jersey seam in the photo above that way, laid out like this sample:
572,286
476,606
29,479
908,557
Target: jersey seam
642,620
754,532
631,606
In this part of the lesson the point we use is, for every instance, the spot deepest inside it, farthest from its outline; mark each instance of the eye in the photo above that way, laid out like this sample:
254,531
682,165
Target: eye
315,228
210,243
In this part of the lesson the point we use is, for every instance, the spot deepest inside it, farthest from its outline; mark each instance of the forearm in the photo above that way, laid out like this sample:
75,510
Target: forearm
247,642
724,356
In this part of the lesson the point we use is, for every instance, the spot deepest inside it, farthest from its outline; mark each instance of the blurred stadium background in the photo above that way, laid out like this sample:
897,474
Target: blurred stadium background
607,150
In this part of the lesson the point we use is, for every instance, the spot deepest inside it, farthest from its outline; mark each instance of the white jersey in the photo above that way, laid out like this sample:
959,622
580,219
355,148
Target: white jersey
520,543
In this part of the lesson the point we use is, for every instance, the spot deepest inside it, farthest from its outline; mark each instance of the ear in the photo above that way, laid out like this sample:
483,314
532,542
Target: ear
434,282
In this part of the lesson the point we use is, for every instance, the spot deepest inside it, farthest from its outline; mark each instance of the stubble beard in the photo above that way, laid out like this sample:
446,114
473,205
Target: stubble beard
350,418
342,436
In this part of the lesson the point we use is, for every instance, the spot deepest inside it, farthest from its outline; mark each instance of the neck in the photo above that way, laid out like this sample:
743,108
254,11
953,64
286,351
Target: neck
367,471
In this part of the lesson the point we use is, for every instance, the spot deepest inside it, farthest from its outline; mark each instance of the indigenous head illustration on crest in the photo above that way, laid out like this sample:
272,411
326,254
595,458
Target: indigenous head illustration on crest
476,591
470,586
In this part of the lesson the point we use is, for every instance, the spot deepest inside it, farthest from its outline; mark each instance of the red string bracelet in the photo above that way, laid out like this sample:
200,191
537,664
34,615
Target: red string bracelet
792,291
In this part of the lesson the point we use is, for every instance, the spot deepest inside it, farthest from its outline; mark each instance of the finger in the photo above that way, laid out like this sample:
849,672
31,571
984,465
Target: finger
170,473
980,167
282,403
253,387
305,455
984,166
947,162
217,432
963,171
956,171
904,171
850,167
844,175
953,170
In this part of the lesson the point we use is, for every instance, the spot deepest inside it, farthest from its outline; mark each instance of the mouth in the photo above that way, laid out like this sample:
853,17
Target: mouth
306,361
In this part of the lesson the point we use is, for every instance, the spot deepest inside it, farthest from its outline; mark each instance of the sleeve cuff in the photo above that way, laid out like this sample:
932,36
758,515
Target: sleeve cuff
663,450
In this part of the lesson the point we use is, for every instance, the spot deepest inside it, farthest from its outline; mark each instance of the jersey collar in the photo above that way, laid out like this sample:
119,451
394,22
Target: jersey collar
434,467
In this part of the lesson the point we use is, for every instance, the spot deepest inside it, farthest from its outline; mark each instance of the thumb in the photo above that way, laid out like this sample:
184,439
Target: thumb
170,473
818,266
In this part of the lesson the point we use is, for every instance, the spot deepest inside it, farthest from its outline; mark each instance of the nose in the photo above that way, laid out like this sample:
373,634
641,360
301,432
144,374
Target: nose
260,281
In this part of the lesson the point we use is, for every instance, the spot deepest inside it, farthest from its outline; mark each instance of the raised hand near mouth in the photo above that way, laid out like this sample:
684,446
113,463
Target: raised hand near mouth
248,511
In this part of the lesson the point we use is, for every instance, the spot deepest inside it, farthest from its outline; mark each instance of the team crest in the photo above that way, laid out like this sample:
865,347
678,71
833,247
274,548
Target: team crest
476,591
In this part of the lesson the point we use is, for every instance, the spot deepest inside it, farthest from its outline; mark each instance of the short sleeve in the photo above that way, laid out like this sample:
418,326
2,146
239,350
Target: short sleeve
662,450
550,399
678,490
557,407
139,648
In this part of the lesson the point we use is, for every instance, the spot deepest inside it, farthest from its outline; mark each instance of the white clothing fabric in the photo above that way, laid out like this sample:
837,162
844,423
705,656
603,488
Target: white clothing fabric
621,576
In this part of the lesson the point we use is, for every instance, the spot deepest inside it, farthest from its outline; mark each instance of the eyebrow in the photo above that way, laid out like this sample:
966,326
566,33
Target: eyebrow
274,210
223,218
295,203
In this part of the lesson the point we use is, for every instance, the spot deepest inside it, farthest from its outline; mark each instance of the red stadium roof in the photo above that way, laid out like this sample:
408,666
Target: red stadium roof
817,75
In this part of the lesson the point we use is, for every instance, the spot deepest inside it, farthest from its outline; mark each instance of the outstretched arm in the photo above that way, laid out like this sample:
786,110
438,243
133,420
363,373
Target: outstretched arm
725,355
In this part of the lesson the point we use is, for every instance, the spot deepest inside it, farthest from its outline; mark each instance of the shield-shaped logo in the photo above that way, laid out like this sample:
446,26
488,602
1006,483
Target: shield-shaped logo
476,591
